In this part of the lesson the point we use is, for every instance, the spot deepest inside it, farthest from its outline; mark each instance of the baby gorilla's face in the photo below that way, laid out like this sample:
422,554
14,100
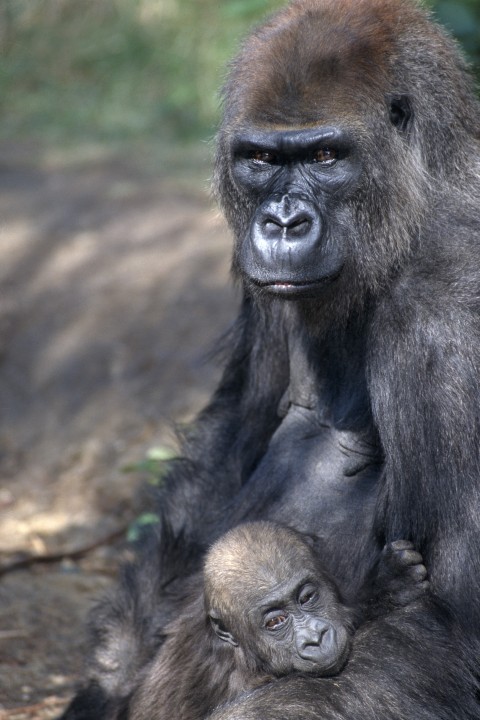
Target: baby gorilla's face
267,592
299,625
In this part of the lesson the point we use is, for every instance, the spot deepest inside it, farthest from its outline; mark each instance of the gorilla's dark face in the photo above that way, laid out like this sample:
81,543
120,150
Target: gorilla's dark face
298,182
299,625
267,594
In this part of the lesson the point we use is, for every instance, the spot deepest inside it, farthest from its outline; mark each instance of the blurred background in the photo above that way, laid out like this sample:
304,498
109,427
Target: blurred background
114,286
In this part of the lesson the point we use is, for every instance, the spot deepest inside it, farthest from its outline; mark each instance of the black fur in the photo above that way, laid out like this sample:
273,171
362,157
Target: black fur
349,410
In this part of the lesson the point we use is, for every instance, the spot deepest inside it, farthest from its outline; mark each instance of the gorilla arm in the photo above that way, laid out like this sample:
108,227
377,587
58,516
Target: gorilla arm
429,419
232,433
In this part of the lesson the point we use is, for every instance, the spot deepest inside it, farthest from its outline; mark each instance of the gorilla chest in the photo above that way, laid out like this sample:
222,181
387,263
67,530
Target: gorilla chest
319,480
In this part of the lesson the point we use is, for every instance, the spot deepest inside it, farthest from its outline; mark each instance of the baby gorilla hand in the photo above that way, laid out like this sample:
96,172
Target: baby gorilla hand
402,576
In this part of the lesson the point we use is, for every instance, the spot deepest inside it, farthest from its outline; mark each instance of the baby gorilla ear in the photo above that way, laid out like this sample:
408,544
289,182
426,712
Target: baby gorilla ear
220,630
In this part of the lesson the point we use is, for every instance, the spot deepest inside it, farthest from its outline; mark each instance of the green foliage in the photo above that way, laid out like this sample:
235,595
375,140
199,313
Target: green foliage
141,525
154,466
463,19
103,69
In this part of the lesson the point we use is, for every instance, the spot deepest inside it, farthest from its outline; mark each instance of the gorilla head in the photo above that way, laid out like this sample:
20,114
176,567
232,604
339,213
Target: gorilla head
265,591
330,141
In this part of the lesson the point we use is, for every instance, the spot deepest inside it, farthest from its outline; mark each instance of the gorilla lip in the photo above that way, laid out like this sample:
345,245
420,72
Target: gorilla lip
289,286
296,288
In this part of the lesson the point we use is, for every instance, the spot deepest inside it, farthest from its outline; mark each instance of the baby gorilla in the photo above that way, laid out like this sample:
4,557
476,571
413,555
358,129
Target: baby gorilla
267,594
264,607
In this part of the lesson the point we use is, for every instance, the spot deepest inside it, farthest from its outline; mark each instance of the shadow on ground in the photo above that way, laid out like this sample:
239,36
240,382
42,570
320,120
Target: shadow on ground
113,287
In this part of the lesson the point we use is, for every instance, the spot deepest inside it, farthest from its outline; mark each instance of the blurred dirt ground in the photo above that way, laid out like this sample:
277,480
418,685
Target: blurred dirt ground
114,284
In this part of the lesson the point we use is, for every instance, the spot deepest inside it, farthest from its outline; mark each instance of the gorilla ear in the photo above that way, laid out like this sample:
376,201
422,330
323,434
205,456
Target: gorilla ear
400,112
221,631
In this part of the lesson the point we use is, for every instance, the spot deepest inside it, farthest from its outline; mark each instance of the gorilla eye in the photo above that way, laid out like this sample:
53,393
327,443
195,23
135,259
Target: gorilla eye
325,156
306,595
273,623
263,156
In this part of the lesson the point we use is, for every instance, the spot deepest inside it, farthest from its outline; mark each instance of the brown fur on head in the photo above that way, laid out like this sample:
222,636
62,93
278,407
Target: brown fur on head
313,61
323,60
247,562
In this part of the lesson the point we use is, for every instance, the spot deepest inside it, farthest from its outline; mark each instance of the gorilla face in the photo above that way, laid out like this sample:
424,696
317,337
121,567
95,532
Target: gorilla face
266,592
297,182
303,627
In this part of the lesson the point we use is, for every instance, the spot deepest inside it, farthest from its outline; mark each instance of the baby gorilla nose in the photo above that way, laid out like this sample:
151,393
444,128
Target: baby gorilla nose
316,640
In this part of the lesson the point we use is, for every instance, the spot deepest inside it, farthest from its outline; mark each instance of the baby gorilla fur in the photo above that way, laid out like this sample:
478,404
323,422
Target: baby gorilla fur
264,607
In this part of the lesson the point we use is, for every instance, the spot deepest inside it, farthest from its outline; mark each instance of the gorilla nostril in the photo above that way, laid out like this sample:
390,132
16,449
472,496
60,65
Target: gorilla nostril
299,226
273,221
298,221
273,228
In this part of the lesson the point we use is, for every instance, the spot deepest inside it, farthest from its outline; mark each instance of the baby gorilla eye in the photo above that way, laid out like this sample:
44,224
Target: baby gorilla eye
306,595
325,156
273,623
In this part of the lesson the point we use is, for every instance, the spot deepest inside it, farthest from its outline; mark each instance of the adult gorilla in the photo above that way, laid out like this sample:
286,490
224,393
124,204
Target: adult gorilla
348,169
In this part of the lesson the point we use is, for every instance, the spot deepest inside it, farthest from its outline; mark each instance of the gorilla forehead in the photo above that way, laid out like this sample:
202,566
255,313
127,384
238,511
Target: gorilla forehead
252,559
318,50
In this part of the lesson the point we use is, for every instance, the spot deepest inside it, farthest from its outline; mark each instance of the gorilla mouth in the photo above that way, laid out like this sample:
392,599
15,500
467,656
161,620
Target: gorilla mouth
289,288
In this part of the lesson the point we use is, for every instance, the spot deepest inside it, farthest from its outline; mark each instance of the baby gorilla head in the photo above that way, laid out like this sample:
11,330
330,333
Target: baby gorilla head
267,594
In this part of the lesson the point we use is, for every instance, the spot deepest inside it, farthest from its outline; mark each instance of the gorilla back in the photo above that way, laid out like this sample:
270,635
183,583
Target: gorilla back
348,168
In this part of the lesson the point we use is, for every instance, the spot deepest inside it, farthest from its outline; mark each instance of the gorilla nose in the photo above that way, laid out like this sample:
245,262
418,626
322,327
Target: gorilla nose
314,643
289,218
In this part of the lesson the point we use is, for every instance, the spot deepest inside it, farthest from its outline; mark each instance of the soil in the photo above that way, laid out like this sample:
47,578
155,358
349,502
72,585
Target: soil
114,286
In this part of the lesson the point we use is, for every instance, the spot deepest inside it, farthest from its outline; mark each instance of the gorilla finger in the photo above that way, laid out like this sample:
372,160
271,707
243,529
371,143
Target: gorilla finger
419,572
397,545
408,557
